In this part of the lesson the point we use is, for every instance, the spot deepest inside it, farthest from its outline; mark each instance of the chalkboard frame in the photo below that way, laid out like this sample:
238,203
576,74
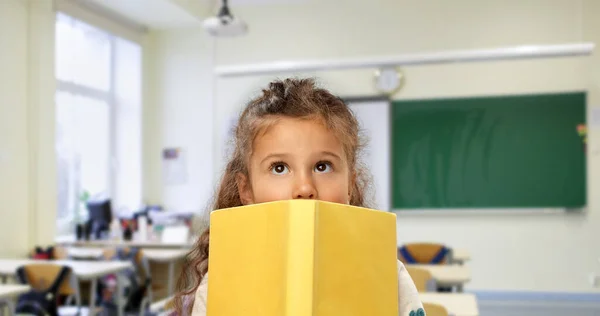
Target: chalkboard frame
580,95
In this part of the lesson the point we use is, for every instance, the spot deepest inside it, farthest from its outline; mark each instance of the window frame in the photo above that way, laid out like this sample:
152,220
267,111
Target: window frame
110,98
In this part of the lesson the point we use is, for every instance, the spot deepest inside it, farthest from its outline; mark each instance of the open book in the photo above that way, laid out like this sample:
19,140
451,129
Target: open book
302,258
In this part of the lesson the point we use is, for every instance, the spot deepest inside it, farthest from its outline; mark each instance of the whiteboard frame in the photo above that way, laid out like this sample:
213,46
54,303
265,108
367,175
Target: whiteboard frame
388,100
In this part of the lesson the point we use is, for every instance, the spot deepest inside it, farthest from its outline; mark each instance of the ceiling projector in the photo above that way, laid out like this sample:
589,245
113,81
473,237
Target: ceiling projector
225,24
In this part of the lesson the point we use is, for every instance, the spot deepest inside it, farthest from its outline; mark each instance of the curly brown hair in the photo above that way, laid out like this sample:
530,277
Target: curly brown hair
294,98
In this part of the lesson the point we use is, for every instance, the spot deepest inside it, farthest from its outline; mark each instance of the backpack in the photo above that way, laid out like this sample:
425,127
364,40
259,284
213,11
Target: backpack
43,254
40,303
136,288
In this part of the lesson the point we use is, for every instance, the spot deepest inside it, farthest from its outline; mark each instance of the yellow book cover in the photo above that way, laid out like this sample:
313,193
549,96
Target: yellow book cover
302,258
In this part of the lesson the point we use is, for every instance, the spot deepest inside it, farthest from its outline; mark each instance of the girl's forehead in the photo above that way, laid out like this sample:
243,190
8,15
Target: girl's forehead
285,127
293,134
267,122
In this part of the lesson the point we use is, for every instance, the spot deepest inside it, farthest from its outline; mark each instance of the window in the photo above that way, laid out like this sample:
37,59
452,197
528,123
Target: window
98,119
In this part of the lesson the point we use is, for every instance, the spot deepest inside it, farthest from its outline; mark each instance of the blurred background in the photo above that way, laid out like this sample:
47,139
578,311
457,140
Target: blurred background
116,116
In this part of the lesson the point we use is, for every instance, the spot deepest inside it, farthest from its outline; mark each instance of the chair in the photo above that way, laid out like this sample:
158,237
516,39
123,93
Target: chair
142,268
422,279
50,253
6,307
424,253
40,277
432,309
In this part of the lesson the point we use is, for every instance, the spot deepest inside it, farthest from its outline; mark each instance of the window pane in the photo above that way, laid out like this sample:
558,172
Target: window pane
98,120
128,124
83,148
82,53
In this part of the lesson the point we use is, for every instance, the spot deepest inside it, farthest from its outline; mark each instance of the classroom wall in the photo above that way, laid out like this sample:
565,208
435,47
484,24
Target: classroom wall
178,113
539,251
27,163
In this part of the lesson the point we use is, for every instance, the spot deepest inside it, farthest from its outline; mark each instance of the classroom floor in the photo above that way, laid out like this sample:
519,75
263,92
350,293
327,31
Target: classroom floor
508,308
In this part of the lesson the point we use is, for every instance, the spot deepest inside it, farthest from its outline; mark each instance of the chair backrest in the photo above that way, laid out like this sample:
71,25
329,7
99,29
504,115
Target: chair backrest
422,279
41,275
109,253
140,278
432,309
141,263
423,253
60,253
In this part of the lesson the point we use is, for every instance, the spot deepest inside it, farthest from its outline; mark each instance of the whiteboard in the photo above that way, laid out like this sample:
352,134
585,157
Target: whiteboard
373,117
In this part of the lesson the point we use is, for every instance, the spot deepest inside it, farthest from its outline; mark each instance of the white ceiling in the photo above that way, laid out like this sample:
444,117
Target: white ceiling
155,14
165,14
261,2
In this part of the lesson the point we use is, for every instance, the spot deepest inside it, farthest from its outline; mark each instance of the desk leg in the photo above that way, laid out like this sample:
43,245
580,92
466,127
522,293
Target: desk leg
93,286
120,292
170,286
78,301
450,256
7,304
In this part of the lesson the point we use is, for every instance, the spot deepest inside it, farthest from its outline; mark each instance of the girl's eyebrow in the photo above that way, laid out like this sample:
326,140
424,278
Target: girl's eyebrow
329,153
274,155
286,155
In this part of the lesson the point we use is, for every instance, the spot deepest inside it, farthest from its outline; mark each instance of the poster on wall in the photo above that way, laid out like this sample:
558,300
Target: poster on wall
174,166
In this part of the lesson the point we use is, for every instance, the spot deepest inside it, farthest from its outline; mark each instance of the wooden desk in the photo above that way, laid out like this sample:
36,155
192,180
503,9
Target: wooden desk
447,275
71,241
165,256
153,254
85,253
83,270
457,304
460,256
12,290
168,256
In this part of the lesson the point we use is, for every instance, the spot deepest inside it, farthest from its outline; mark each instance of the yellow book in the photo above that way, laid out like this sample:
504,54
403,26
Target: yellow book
302,258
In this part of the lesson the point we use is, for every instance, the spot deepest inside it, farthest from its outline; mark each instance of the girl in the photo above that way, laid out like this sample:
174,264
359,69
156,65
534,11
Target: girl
296,141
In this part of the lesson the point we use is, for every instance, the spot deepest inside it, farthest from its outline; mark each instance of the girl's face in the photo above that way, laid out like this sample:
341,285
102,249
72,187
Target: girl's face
296,159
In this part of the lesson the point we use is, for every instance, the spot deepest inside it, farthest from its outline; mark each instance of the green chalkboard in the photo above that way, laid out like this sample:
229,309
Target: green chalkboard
489,152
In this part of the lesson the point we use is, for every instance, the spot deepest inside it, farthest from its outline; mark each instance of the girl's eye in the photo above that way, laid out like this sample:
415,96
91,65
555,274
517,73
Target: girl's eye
323,167
279,168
